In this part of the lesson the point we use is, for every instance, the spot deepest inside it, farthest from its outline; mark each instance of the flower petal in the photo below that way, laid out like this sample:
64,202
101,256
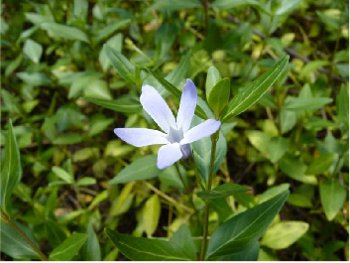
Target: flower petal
168,155
200,131
187,105
156,107
140,136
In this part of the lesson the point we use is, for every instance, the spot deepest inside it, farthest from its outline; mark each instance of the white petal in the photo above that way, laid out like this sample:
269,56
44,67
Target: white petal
200,131
156,107
140,136
187,105
168,155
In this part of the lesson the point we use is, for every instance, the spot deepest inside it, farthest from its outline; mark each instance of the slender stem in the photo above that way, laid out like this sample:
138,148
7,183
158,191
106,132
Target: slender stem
214,139
206,16
7,220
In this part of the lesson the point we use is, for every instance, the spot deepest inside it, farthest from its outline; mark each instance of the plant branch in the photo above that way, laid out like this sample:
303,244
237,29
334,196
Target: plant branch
214,139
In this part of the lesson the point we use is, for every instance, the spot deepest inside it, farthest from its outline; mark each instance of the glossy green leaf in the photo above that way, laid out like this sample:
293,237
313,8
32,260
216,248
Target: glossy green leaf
69,248
142,169
252,93
146,249
284,234
125,104
62,31
333,196
223,190
151,214
123,66
33,50
244,229
219,96
13,244
182,240
11,169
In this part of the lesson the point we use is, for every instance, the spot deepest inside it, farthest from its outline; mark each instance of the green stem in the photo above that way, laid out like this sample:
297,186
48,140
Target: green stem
214,139
177,166
7,220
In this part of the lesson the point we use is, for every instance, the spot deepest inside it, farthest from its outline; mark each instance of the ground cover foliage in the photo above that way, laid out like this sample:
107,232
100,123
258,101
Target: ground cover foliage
73,70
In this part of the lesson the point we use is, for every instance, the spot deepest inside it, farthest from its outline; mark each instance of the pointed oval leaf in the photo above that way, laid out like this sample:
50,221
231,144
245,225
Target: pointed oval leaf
252,93
241,231
146,249
69,248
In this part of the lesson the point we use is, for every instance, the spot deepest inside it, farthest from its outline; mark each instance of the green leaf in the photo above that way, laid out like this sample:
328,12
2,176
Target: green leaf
333,196
343,106
304,104
111,28
125,104
170,5
243,230
284,234
33,50
69,248
13,244
227,4
223,190
141,169
63,174
11,169
91,250
249,95
86,181
146,249
250,253
62,31
182,240
151,214
296,169
322,163
213,77
219,96
123,66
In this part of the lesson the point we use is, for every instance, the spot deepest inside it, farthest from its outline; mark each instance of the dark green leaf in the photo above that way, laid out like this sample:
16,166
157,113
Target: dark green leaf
321,164
219,96
125,104
241,231
146,249
182,240
11,170
223,191
249,95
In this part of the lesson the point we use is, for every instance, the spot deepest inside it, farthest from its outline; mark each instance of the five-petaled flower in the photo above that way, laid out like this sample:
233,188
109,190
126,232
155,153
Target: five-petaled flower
176,135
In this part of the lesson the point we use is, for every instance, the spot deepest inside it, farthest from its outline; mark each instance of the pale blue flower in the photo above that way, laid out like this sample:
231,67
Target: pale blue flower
176,135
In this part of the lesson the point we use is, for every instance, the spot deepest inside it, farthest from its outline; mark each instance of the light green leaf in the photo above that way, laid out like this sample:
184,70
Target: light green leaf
151,214
244,229
219,96
170,5
213,77
123,66
284,234
62,31
252,93
63,174
125,104
322,163
227,4
146,249
33,50
86,181
295,169
11,169
91,250
111,28
141,169
69,248
304,104
333,196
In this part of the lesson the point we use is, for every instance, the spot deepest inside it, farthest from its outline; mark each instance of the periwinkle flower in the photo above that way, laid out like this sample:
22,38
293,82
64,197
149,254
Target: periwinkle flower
176,135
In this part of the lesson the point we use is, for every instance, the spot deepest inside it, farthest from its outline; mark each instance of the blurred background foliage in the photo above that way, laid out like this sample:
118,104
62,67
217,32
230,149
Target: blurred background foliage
64,97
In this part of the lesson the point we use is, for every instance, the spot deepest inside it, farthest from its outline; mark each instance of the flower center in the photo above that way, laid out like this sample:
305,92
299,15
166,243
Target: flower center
175,135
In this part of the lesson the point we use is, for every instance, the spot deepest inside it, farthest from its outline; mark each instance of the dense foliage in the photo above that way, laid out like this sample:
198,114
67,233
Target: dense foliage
73,70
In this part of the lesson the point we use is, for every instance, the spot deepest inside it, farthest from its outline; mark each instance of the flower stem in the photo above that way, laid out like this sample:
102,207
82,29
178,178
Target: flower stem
7,220
214,139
